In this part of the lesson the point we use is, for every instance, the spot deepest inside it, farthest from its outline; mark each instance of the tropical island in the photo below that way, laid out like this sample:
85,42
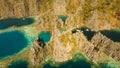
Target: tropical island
59,34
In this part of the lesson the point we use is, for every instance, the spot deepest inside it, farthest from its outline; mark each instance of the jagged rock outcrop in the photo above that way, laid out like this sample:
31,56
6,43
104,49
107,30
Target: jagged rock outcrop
101,44
95,14
39,51
66,44
108,46
62,48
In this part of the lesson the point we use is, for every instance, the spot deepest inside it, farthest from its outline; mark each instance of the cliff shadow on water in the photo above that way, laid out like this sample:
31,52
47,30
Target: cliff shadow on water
86,31
112,34
17,22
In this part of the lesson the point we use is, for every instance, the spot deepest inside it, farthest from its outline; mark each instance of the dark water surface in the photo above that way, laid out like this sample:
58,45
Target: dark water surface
86,31
112,34
79,63
19,64
17,22
12,42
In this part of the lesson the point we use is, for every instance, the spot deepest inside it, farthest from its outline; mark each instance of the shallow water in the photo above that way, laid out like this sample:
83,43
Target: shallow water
109,66
79,63
45,36
19,64
17,22
12,42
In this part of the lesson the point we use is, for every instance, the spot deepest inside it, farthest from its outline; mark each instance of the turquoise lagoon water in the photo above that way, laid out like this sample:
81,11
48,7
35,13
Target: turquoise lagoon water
17,22
79,63
63,18
45,36
12,42
19,64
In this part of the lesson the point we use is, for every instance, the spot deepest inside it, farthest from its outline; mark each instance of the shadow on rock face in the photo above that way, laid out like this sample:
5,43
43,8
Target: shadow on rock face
41,42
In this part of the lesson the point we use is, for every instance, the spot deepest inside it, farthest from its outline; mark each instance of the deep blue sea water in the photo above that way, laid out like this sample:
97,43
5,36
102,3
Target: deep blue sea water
19,64
12,42
17,22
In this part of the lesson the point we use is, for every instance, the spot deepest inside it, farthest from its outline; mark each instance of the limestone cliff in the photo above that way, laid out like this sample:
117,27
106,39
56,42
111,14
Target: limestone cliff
39,52
95,14
101,44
